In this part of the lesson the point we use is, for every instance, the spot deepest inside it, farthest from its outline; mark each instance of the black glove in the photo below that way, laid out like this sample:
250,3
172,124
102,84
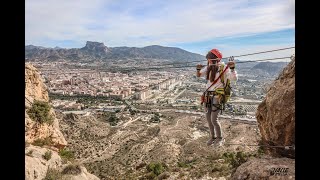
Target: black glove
199,67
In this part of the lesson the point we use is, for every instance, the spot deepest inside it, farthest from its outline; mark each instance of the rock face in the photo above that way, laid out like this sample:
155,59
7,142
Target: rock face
36,166
84,175
96,48
276,114
36,90
266,168
34,86
37,162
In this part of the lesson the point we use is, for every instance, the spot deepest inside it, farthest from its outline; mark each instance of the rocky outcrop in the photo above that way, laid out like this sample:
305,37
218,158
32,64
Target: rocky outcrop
83,175
266,168
36,90
36,166
276,118
276,114
96,47
34,86
39,159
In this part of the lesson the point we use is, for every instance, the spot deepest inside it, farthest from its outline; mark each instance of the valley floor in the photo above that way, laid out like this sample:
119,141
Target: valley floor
178,142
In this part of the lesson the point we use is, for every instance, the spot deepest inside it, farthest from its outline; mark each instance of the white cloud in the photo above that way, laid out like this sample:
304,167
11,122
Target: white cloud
187,21
59,19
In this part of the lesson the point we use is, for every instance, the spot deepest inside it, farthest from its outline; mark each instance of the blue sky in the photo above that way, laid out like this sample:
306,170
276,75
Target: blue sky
233,26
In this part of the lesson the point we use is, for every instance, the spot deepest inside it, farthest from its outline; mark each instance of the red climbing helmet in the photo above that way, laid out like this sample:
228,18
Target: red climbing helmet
217,53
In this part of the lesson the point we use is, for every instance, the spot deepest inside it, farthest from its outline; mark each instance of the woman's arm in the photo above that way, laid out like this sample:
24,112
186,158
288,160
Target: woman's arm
231,74
198,73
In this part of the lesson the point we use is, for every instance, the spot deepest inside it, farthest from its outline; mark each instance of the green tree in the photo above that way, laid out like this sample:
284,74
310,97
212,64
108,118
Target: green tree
53,174
66,154
156,168
40,112
236,159
113,120
47,155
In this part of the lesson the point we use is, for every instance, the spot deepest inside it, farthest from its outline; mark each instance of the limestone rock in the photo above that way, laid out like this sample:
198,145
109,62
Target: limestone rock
36,90
276,114
84,175
36,166
34,130
34,86
266,168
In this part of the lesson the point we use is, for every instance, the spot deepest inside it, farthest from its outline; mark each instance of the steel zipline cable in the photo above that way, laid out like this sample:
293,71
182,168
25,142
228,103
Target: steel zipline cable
261,52
268,146
176,63
177,67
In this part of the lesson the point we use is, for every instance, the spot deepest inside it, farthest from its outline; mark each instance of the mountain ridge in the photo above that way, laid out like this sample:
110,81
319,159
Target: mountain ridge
97,50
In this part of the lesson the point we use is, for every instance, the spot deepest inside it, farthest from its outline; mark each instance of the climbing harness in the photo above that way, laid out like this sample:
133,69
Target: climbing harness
207,96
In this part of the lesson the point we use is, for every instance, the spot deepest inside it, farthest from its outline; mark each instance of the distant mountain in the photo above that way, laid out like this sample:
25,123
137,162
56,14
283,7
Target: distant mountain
57,47
96,50
30,47
273,68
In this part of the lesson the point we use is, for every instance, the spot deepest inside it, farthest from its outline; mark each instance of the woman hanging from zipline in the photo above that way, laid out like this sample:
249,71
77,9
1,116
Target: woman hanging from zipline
218,75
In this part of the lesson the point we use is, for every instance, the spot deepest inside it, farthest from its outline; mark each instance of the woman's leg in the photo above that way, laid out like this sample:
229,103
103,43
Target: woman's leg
214,119
211,128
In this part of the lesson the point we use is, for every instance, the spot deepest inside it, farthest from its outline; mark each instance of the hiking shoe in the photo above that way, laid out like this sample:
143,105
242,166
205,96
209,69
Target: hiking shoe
218,142
210,141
